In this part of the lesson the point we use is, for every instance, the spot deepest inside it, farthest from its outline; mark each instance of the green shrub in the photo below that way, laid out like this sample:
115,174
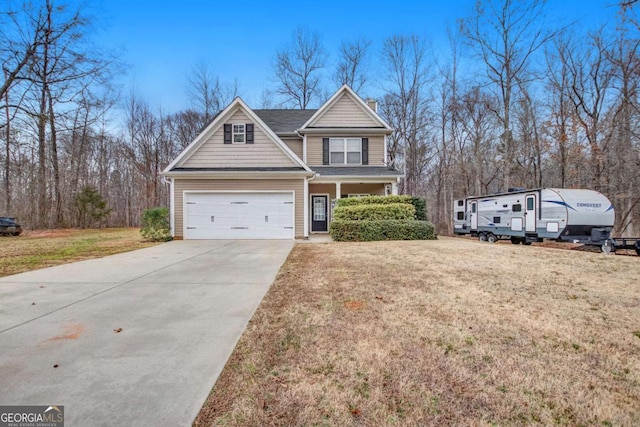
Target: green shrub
372,200
421,208
91,207
364,231
375,212
155,225
419,203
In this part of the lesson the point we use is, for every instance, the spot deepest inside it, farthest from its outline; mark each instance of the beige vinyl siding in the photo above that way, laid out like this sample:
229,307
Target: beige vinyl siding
297,185
345,112
295,144
215,153
371,189
329,189
376,150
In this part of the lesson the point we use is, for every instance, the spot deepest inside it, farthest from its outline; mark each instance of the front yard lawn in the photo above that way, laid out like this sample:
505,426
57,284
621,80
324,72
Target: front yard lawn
447,332
39,249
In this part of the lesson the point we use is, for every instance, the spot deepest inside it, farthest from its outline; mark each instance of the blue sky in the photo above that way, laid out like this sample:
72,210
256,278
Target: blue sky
162,40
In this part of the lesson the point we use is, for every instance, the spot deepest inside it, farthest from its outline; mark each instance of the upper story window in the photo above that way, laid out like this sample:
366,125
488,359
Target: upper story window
238,134
345,151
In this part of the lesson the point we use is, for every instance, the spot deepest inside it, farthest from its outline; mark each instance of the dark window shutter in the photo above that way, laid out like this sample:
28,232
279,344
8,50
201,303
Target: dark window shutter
249,130
325,151
227,134
365,151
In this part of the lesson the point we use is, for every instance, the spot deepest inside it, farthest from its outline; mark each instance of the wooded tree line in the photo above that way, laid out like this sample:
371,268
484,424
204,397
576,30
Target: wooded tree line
511,101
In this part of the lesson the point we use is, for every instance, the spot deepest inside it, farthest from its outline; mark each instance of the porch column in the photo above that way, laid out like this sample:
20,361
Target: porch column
394,188
338,189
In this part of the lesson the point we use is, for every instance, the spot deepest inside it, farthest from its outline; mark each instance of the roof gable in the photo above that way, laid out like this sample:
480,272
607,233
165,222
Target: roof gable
345,109
208,149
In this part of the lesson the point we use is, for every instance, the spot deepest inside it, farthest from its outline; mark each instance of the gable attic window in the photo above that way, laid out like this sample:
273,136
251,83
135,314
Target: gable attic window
238,133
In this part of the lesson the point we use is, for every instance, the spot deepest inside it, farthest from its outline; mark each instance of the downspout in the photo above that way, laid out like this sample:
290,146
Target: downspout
306,205
171,204
384,160
304,148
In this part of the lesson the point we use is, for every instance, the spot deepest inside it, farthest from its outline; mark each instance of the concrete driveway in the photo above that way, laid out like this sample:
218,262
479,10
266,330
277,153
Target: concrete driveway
182,307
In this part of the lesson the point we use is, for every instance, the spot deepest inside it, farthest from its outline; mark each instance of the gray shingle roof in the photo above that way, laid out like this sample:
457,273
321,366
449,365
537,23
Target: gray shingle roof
355,171
284,121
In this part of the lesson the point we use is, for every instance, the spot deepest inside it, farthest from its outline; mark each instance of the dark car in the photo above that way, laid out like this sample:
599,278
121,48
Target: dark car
9,226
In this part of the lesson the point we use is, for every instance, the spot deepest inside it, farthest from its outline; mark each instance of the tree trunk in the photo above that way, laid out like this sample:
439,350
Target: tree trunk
7,160
58,219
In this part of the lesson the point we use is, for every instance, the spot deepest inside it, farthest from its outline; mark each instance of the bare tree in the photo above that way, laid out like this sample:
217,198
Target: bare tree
590,78
297,69
560,122
406,106
624,155
208,94
23,32
352,66
505,35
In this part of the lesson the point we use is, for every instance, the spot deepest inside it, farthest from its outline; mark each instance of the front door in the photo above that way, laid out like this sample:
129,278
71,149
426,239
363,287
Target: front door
319,210
474,216
530,214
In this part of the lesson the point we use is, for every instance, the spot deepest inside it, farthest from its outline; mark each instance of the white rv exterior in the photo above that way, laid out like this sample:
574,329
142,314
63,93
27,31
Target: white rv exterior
526,216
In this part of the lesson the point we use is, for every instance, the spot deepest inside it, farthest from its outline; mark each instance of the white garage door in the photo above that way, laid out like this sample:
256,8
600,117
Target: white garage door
238,216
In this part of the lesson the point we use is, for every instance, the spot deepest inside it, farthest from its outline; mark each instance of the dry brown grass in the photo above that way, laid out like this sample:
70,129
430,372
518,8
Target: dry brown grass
447,332
39,249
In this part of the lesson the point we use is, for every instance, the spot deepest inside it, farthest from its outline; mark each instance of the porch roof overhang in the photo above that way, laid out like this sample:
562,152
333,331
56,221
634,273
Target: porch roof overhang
239,173
356,174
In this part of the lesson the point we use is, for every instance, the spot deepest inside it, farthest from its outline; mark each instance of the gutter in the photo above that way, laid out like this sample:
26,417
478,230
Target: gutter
237,174
345,131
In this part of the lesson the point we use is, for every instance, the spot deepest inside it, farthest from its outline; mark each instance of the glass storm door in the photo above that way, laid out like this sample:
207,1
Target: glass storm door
319,220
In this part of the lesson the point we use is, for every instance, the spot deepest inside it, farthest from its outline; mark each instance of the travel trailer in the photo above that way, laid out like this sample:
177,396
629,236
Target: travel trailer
526,216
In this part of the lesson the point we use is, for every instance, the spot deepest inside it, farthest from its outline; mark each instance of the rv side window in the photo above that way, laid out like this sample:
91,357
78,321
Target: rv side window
460,216
460,202
473,208
496,220
530,204
517,207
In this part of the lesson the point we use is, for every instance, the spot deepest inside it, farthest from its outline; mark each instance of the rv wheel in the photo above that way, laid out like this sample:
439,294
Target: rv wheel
608,247
482,237
491,238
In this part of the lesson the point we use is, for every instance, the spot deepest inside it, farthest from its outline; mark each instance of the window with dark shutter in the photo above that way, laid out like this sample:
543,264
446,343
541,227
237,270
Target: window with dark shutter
365,151
227,133
249,129
325,151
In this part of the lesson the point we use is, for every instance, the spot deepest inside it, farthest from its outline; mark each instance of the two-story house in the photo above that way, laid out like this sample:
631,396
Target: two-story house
273,174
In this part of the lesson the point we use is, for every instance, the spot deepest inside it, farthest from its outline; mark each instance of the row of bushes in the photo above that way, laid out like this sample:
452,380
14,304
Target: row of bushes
388,229
381,218
354,219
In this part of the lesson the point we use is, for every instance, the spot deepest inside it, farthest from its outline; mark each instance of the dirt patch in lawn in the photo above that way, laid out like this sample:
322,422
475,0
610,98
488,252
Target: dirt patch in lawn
39,249
449,332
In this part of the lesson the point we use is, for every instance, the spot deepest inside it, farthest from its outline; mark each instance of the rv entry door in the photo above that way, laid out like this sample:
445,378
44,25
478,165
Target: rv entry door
530,213
474,216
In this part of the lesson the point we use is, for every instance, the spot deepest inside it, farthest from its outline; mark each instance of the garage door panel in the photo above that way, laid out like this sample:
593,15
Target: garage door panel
239,215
